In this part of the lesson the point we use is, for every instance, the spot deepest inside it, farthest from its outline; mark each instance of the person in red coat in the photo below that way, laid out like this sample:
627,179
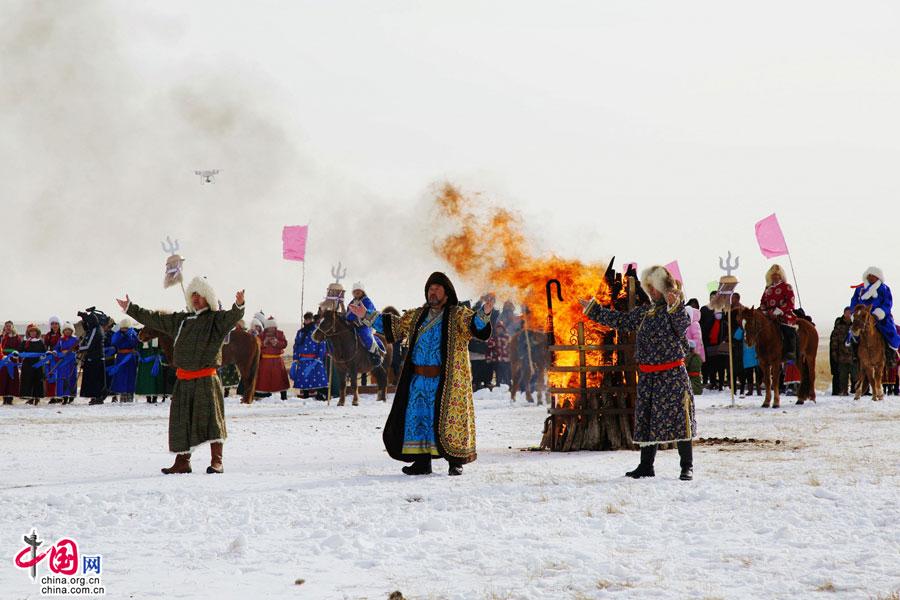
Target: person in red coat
778,304
9,372
273,376
50,340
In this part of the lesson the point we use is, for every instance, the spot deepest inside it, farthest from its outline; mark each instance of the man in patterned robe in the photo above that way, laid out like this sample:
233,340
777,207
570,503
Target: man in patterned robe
433,414
664,410
197,411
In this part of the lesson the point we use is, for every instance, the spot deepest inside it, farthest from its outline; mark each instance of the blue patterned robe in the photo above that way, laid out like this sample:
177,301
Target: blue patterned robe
664,410
67,366
878,296
123,374
308,371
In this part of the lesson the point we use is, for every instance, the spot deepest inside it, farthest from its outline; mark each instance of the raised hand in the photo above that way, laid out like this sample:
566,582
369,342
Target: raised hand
239,298
358,309
123,304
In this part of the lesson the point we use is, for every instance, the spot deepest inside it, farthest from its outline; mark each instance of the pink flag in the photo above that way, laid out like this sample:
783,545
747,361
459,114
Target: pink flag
628,265
672,267
294,239
771,240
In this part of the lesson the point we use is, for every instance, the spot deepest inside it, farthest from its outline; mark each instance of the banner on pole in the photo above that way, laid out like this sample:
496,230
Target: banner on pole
771,239
672,268
293,238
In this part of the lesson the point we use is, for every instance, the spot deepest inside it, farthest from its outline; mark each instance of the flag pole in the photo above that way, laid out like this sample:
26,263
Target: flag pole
796,287
302,288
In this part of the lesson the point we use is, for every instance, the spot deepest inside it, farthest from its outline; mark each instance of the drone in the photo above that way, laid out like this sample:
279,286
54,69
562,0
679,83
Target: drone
206,176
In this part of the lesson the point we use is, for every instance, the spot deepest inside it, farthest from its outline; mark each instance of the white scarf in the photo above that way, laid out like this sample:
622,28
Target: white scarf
871,291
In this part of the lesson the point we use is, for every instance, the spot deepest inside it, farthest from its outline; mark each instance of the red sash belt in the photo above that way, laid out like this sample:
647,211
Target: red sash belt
186,374
662,367
694,373
308,356
124,351
271,355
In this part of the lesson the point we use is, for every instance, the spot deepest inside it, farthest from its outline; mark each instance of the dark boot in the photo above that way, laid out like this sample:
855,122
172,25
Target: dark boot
7,400
182,464
284,395
455,469
96,401
645,468
215,458
70,399
890,356
55,401
686,452
421,466
789,343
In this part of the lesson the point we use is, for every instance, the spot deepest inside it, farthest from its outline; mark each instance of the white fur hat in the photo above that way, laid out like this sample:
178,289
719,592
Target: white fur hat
873,271
775,270
271,323
125,323
53,320
658,278
200,285
68,325
359,285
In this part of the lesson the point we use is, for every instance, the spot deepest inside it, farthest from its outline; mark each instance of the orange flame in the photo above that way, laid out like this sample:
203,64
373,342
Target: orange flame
495,254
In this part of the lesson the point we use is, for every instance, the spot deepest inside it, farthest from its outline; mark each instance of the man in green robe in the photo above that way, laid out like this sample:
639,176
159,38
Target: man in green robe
197,411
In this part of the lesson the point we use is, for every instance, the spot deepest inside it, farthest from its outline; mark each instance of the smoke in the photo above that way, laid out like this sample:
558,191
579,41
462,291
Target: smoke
97,161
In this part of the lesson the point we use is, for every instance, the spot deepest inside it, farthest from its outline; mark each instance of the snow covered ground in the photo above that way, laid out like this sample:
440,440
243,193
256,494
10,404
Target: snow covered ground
309,494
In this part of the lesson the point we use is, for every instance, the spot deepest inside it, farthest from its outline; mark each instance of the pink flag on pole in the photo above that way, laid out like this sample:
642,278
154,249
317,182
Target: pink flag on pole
294,240
672,267
628,265
771,240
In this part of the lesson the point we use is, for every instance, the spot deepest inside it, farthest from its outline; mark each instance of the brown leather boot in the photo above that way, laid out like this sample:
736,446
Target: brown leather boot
182,464
215,458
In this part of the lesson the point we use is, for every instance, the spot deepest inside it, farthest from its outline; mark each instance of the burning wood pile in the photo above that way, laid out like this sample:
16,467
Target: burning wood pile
593,378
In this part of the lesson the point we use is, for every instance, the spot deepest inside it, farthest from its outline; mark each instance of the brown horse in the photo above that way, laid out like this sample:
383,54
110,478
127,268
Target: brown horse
871,352
349,356
764,334
529,359
241,349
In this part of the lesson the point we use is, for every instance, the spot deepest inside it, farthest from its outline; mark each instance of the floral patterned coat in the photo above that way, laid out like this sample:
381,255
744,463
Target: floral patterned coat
778,303
664,410
455,418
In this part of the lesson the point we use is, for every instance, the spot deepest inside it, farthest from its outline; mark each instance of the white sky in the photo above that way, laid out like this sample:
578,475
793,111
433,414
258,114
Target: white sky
650,130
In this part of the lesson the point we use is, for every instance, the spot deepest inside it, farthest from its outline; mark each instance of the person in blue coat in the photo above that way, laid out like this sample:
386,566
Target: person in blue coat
875,294
308,370
123,373
363,328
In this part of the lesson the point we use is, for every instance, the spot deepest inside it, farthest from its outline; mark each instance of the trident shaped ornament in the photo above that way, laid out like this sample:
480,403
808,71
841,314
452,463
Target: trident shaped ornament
172,247
32,541
337,273
726,265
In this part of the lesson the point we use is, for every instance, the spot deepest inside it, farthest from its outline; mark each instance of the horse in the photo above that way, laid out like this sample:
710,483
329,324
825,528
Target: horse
765,334
349,356
240,349
871,352
529,359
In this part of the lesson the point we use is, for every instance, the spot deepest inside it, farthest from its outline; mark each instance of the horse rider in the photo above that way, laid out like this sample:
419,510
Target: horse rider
364,329
875,294
778,304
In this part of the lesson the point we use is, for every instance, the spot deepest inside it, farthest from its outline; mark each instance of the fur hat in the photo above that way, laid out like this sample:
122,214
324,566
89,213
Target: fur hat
271,323
126,323
32,326
68,325
438,278
775,270
873,271
359,285
53,320
659,279
200,285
